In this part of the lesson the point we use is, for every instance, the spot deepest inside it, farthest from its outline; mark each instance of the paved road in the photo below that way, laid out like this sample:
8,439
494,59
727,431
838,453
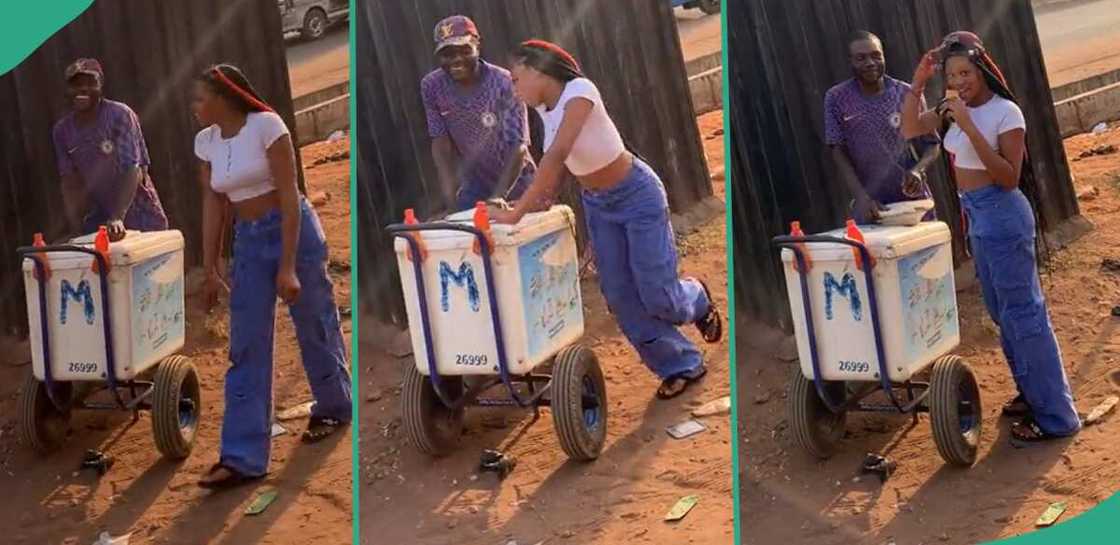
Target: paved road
323,63
319,64
1080,39
700,33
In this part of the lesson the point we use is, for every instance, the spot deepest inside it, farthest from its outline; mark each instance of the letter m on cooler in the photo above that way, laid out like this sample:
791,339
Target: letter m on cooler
463,278
847,289
80,295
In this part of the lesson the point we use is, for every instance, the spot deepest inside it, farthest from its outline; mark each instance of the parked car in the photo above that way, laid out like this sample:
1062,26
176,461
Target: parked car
311,18
711,7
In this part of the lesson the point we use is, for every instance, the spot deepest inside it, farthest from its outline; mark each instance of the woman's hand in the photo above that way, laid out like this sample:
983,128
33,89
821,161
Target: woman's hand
961,116
927,68
509,217
215,286
287,285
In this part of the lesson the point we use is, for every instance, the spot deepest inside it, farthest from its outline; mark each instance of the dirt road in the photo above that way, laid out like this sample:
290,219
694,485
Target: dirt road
48,501
622,497
317,65
790,498
1079,39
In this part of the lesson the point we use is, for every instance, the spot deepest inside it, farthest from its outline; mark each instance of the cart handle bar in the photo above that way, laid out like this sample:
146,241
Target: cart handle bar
793,243
27,252
400,230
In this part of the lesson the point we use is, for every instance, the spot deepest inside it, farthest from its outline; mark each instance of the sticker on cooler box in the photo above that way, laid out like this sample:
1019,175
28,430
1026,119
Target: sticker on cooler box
157,293
928,307
82,294
463,278
846,289
549,288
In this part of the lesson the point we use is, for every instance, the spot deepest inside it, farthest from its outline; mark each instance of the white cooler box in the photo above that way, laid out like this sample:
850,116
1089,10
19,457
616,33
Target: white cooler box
536,276
146,298
913,286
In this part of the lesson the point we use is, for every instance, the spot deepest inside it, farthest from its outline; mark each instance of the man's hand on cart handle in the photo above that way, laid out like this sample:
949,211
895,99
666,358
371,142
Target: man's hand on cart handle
116,230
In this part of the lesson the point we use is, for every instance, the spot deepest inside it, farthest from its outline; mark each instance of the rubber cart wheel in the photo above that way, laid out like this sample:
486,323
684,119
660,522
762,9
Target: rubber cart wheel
710,7
579,403
955,411
176,404
430,426
817,429
42,425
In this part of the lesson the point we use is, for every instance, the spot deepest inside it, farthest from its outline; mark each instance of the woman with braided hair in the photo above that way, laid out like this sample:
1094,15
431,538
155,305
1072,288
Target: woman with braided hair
627,214
986,141
279,250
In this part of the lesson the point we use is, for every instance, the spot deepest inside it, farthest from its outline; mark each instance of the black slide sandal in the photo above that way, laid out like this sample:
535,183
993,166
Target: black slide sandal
319,428
669,387
233,479
711,324
1027,433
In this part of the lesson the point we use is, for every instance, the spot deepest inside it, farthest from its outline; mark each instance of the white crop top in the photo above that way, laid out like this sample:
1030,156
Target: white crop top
992,118
239,165
598,144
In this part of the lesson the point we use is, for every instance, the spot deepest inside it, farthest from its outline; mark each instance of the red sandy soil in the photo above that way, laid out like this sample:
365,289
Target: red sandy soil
789,497
52,502
407,497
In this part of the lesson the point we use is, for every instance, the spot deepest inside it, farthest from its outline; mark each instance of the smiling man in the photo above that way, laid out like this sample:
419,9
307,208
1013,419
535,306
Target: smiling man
103,160
479,129
862,127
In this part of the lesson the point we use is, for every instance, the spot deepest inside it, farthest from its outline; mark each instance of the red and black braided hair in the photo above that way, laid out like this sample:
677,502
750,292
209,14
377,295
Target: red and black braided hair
968,45
228,82
549,59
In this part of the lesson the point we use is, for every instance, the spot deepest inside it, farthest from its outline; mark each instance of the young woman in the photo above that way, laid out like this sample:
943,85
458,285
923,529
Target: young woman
986,143
627,216
279,250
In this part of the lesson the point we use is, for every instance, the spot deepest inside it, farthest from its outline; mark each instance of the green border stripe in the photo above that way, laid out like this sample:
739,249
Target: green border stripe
355,306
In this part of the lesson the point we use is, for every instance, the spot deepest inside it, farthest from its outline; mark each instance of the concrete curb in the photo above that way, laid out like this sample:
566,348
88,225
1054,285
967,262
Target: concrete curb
1081,113
317,122
707,91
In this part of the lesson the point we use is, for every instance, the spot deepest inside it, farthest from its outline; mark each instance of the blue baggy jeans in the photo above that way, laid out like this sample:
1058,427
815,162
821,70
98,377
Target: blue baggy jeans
247,424
636,255
1002,235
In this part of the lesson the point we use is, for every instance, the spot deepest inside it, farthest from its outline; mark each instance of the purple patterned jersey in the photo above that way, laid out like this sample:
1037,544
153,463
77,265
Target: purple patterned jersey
868,128
98,153
485,124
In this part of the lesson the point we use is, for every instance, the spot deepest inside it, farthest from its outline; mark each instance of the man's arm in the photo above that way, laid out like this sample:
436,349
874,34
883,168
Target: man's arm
847,172
74,197
128,140
834,138
446,159
444,154
515,139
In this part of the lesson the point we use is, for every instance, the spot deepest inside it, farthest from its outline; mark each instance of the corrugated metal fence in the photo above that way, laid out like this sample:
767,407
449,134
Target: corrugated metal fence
629,47
784,55
151,52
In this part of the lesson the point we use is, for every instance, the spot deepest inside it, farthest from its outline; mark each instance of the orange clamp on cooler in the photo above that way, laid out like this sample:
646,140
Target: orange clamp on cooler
410,219
101,245
856,235
795,231
482,223
42,259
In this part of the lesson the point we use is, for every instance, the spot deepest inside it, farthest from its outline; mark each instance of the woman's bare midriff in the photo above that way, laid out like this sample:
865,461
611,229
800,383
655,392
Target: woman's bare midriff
257,207
610,175
969,179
